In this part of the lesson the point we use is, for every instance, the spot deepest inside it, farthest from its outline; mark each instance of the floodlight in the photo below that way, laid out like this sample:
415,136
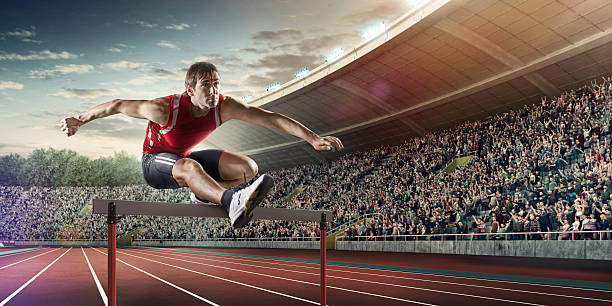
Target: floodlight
334,55
301,73
247,98
374,31
274,86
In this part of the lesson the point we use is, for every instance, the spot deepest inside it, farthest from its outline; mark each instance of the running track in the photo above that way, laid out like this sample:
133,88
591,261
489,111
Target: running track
153,276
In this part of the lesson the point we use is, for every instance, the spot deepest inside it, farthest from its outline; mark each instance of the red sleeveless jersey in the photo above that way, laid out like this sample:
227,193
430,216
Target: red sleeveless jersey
182,132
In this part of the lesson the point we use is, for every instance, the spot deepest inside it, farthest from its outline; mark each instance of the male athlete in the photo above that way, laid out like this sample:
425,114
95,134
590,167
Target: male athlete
177,123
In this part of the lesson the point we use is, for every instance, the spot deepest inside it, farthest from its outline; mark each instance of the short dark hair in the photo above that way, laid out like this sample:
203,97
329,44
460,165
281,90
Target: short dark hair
198,71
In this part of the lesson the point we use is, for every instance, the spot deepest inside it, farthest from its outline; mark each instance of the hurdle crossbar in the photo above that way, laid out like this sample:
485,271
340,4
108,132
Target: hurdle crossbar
100,206
113,208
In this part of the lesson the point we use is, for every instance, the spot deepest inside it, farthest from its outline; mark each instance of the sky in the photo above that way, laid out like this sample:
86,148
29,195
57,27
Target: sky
60,58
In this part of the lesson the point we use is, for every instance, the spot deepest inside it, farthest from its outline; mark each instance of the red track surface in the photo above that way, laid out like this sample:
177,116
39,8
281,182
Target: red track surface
194,278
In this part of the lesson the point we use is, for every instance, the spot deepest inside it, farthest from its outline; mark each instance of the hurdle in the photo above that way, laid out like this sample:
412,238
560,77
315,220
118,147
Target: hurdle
113,208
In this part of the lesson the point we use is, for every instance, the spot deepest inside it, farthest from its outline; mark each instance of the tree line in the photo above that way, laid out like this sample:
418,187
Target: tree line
54,168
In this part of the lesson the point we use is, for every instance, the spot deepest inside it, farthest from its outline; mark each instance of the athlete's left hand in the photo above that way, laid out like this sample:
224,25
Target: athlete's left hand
327,143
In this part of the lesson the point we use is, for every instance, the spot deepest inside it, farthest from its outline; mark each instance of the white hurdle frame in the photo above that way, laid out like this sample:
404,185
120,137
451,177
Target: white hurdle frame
113,208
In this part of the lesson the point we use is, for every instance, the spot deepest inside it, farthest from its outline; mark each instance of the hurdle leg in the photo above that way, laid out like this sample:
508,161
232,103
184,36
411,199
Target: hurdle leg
323,261
112,253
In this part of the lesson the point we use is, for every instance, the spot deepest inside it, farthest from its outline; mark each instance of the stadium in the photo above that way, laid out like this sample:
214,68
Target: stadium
476,170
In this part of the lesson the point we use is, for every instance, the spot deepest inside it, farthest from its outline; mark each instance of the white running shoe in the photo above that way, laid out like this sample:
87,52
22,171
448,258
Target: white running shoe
195,200
245,200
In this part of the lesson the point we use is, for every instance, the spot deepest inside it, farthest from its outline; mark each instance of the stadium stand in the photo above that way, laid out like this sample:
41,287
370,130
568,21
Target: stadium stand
543,167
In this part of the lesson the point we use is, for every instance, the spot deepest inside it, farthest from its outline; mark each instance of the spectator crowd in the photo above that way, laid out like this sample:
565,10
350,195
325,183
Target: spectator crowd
540,168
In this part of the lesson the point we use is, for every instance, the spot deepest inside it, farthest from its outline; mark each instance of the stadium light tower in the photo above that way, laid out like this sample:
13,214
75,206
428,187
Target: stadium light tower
374,31
272,87
334,55
301,73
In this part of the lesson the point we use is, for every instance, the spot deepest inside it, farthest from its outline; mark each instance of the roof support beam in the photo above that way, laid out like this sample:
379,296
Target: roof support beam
376,101
497,53
310,151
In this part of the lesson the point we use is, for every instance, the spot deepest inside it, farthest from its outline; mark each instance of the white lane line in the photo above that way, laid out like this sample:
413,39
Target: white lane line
272,276
475,286
164,281
93,273
229,280
19,253
7,299
204,256
316,266
27,259
359,280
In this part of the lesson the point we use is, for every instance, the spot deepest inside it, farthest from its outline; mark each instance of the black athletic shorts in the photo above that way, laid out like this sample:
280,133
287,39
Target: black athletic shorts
157,167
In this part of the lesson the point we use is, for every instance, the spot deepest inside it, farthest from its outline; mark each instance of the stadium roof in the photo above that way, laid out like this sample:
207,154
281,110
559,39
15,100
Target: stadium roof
437,66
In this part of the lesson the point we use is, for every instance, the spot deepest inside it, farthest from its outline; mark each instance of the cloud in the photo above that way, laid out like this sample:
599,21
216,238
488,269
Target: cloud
166,74
275,36
59,71
284,42
31,40
201,58
124,65
145,80
285,61
24,35
145,24
146,93
154,75
21,33
94,93
49,114
113,83
258,81
276,68
318,45
178,27
387,10
9,148
175,27
252,50
4,115
217,59
37,55
117,48
119,127
167,44
10,85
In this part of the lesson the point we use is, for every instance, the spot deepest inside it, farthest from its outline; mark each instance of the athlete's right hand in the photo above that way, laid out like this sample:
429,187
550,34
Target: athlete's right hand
70,125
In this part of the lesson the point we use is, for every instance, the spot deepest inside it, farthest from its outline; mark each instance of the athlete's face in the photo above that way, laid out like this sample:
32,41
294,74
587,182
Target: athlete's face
206,92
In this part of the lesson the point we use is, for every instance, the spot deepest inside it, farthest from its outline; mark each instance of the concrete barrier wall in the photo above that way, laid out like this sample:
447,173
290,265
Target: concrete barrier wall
580,249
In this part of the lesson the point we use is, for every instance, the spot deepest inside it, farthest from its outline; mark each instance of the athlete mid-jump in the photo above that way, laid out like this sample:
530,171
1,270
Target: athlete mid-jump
177,123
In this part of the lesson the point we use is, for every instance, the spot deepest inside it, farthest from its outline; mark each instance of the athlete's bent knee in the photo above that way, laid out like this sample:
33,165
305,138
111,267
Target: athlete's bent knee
185,167
252,169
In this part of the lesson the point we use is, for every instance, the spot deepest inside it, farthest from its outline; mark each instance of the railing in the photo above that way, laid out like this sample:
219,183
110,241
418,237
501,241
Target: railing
568,235
237,239
51,240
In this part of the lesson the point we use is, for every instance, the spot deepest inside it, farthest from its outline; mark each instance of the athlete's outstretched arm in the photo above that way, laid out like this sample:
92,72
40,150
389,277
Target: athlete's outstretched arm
233,109
155,110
